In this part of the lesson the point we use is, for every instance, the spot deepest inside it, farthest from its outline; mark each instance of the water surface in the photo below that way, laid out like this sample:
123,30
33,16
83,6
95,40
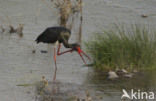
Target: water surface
18,64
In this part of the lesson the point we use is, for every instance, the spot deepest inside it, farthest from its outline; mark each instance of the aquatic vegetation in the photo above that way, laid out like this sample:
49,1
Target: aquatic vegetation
123,46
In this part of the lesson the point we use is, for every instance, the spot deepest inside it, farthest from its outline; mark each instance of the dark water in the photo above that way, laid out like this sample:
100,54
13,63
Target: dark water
20,66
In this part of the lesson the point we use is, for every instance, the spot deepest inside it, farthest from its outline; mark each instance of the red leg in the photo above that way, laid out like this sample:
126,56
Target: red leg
54,78
82,58
58,51
86,55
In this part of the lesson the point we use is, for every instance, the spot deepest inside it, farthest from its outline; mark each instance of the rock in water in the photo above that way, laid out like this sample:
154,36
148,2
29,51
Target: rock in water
135,71
112,75
124,71
130,75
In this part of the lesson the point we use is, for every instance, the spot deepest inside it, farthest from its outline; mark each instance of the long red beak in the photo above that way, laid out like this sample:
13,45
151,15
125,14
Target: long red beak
80,52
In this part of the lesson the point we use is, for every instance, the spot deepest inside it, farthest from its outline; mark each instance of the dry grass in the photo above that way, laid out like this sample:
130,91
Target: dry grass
19,30
57,91
12,29
81,20
68,9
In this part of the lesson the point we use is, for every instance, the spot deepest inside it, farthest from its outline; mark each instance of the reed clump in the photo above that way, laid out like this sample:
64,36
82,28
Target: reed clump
68,11
132,47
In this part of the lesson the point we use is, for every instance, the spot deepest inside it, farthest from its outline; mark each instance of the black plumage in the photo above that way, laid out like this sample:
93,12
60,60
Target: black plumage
53,34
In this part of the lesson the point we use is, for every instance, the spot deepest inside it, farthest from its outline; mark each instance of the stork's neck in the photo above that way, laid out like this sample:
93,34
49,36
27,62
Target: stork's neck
68,45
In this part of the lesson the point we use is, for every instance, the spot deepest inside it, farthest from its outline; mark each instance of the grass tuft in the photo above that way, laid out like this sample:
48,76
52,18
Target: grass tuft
130,47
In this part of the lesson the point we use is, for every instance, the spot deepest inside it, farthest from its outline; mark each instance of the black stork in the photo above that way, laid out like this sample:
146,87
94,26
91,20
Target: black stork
59,34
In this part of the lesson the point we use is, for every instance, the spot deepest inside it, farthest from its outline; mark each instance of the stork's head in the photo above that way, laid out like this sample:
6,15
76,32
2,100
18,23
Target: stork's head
77,47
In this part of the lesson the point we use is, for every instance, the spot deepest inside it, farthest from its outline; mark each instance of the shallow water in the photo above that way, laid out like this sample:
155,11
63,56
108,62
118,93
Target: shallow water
19,65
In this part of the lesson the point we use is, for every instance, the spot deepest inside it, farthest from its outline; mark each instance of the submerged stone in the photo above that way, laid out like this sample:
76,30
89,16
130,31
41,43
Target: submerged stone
112,75
124,71
130,75
135,71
